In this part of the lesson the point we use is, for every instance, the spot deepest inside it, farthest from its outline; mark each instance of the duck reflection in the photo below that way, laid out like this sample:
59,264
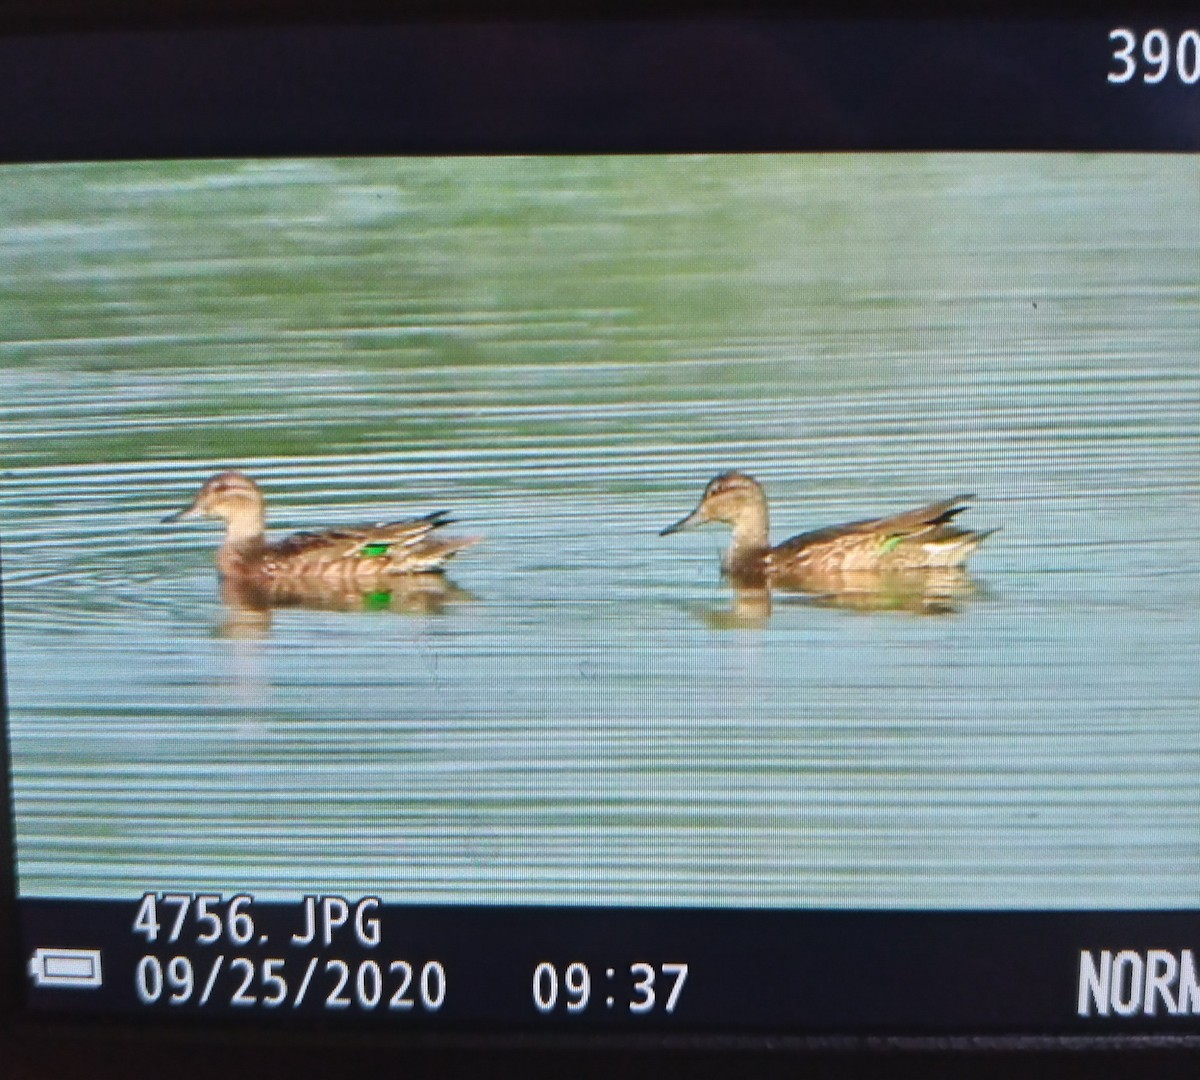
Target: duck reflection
249,605
936,592
940,591
749,609
930,591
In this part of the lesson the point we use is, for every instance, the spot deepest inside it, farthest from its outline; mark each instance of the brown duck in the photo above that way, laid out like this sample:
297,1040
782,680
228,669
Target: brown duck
916,540
349,557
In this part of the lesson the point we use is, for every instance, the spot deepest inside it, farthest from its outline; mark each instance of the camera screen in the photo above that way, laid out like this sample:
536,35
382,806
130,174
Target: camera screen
700,591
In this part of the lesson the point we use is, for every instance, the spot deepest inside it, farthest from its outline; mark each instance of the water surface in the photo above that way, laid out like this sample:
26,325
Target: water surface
562,352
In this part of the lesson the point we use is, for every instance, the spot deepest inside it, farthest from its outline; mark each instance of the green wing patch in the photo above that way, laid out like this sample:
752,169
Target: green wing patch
891,543
370,551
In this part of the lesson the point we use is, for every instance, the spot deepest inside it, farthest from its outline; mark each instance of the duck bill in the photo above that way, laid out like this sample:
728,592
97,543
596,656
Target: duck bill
181,515
690,522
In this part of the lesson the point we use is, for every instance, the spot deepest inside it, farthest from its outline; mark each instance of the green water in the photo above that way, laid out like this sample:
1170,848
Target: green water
561,352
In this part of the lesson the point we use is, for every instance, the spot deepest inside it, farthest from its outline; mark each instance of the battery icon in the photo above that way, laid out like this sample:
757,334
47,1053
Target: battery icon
79,968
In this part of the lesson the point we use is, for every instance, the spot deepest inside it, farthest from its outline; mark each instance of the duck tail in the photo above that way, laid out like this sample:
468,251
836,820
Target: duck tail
954,546
434,552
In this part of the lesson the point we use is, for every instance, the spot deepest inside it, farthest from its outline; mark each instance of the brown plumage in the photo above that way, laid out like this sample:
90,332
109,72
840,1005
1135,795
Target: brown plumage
356,556
920,539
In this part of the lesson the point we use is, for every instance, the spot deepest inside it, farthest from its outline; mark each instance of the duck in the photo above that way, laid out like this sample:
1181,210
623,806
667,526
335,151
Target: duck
358,557
916,540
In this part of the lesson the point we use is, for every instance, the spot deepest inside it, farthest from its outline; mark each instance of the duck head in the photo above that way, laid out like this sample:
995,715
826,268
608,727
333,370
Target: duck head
233,498
734,499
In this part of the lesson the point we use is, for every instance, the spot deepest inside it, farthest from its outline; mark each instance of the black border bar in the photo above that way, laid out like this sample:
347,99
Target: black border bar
705,84
764,971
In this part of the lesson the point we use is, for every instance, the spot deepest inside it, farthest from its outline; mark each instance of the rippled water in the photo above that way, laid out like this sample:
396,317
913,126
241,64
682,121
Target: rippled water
562,352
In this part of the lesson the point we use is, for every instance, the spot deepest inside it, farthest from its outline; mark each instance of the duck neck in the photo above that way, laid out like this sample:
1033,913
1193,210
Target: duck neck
244,541
751,538
246,527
